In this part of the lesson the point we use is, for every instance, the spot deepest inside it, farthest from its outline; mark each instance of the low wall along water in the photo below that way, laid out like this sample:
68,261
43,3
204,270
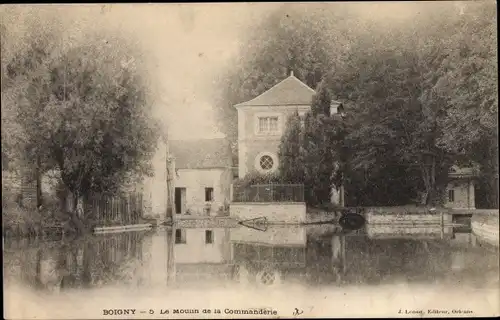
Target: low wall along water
412,232
284,212
486,228
418,218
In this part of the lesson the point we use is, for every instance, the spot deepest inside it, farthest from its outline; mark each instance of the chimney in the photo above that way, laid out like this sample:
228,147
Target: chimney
291,73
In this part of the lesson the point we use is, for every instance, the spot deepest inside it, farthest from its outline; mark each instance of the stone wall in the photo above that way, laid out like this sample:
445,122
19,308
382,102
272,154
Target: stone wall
405,231
279,212
415,218
485,227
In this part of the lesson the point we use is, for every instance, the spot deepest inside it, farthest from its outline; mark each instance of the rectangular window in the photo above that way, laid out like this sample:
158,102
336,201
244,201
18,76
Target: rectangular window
209,236
273,124
268,124
263,125
180,236
209,194
451,195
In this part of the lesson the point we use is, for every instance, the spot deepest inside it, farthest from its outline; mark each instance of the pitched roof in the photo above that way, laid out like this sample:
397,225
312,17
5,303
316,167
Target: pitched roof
462,172
201,154
290,91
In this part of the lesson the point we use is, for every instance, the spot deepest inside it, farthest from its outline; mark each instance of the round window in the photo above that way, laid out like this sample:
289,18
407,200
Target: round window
266,162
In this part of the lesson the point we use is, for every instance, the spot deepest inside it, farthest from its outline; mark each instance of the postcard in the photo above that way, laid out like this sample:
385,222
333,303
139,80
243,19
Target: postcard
250,160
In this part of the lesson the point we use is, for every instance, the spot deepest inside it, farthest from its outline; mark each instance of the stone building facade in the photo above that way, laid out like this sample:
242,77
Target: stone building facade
460,192
201,182
262,122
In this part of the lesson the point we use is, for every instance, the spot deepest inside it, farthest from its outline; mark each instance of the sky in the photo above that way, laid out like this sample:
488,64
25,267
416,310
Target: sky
188,45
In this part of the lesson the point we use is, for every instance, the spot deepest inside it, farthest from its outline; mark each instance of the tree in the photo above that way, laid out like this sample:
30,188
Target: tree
394,122
320,137
397,118
22,52
419,98
292,38
467,82
84,107
290,151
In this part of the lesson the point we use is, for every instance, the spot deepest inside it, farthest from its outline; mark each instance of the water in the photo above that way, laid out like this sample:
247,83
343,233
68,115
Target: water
313,271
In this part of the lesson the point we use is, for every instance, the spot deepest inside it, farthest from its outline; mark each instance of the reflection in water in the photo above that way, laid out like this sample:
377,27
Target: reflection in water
313,256
87,262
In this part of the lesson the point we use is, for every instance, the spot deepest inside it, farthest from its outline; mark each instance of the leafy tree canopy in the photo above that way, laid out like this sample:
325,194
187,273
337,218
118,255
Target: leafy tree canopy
81,105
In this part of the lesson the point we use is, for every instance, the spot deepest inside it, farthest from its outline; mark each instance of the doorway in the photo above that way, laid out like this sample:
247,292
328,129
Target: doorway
180,200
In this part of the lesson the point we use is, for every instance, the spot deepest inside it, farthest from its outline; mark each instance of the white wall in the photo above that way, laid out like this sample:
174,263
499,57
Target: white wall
241,144
195,250
196,180
250,143
275,212
464,195
154,259
155,187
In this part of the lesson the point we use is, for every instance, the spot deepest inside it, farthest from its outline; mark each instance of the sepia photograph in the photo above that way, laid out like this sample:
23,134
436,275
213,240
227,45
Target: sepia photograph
250,160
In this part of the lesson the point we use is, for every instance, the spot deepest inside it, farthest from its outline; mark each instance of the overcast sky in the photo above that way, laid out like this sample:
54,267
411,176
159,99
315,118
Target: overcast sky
189,44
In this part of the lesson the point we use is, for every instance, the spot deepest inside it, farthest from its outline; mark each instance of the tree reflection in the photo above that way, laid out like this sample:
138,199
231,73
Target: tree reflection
170,257
322,258
82,263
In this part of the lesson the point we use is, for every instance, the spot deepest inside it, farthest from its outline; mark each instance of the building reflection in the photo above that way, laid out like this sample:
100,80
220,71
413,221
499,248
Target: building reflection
314,255
287,254
267,256
198,255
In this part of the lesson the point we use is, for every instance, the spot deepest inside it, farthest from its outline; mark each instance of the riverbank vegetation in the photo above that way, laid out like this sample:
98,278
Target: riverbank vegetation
419,97
76,106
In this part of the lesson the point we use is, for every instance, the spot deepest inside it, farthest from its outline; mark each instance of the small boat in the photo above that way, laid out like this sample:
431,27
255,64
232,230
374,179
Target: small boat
352,221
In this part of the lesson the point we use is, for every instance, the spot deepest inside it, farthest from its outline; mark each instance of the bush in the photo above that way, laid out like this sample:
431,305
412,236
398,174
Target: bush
19,221
258,178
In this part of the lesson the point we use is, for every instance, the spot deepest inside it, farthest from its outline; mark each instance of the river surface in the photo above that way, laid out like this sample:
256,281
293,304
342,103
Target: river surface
285,271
